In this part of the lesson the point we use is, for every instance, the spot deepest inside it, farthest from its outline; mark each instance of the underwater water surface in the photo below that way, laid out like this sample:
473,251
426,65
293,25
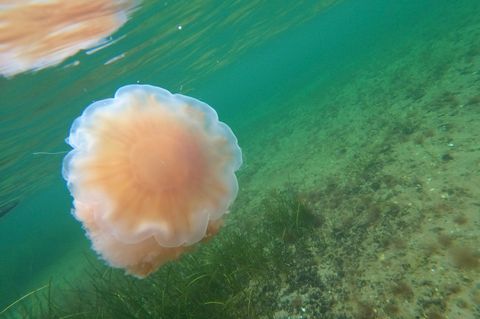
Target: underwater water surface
359,194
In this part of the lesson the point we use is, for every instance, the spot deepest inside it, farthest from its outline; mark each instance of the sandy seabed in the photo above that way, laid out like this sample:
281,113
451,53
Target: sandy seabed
391,159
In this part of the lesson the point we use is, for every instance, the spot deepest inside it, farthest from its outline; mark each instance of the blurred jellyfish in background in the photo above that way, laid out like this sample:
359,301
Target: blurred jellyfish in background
35,34
152,173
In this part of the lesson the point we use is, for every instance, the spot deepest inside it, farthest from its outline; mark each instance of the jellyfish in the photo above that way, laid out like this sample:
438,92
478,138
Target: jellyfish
151,174
38,34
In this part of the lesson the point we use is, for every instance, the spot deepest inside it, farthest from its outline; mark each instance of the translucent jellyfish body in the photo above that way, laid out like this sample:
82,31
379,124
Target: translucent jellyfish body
38,34
151,173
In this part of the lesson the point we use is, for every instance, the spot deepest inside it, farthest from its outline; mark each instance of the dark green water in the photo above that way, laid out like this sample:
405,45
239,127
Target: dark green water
311,89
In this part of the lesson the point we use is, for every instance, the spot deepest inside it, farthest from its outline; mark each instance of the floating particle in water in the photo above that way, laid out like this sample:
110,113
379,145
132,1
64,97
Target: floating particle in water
115,59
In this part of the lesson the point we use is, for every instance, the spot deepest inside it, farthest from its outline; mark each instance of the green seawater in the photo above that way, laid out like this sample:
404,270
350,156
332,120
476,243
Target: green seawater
360,189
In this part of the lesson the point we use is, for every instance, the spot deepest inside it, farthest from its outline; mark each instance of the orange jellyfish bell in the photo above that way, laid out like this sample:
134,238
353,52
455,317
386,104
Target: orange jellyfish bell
37,34
151,173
